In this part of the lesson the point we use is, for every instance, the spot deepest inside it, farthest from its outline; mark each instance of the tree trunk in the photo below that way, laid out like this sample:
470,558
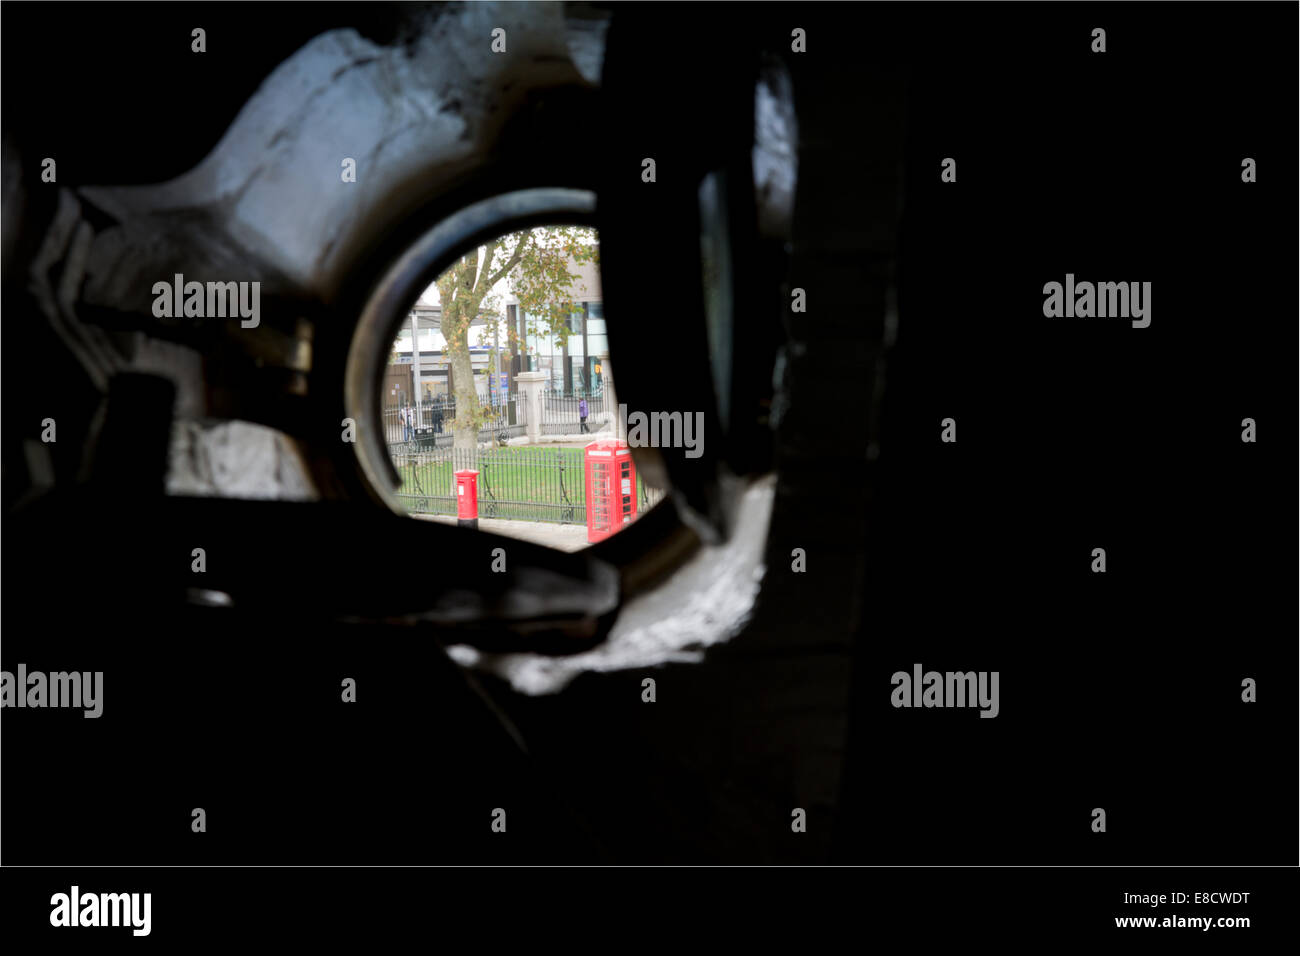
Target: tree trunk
465,435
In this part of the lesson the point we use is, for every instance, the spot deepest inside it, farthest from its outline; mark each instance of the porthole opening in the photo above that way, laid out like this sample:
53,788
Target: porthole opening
498,402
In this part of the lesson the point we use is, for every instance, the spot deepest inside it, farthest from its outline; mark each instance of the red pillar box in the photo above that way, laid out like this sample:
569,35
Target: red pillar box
467,498
610,476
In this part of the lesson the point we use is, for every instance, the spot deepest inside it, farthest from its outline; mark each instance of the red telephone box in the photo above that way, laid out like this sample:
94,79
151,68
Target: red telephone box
467,498
610,475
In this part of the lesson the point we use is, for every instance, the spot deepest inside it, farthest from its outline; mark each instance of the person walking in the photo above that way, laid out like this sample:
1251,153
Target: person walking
406,422
582,416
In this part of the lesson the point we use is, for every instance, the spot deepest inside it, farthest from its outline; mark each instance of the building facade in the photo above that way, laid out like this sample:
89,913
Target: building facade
575,361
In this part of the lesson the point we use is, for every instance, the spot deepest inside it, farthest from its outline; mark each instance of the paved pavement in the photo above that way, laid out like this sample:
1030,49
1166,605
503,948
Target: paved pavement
563,537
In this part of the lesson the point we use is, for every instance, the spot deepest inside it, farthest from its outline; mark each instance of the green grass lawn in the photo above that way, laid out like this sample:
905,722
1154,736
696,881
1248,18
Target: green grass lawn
542,475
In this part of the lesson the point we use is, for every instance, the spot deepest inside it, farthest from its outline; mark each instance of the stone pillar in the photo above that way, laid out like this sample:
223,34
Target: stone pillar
530,392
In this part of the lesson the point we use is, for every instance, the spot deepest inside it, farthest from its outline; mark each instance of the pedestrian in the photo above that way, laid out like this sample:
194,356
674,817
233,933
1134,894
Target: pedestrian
582,416
406,423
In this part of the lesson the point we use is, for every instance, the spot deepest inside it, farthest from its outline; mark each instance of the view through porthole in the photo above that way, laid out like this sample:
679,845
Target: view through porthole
498,400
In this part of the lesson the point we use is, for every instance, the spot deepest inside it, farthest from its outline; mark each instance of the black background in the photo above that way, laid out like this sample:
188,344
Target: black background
1120,690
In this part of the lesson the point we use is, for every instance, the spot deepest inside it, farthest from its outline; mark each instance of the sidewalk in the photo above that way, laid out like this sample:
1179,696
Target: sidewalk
562,537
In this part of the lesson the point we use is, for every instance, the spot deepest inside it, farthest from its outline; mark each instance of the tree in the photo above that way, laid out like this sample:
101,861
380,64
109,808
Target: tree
536,264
